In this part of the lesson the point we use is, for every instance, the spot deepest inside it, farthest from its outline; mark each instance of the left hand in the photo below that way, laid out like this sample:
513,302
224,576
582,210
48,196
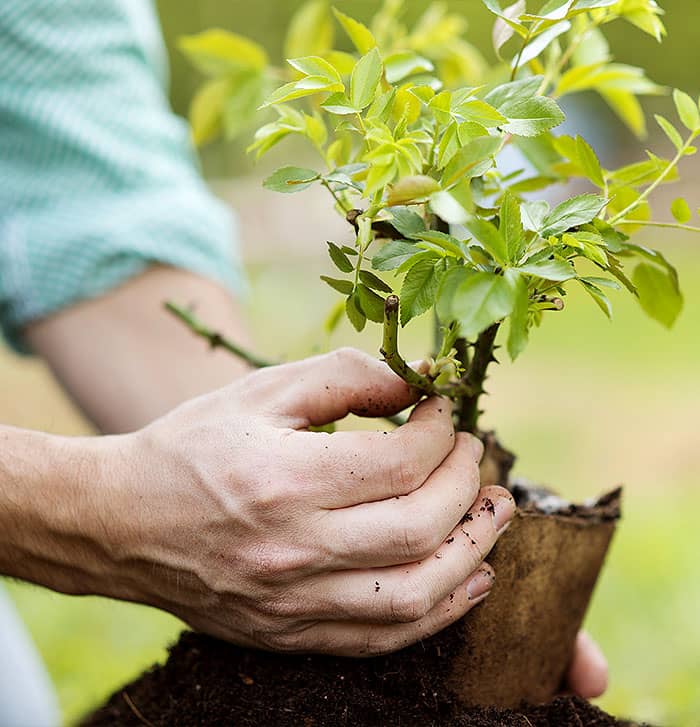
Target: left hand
588,673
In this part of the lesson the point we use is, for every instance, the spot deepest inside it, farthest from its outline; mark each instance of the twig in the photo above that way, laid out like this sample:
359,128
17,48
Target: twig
216,340
669,225
391,353
136,711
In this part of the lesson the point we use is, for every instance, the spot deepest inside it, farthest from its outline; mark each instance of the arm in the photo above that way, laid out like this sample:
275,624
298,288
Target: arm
227,509
126,362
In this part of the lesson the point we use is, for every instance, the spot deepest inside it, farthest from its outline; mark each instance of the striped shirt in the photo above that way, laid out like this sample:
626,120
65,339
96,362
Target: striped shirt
98,179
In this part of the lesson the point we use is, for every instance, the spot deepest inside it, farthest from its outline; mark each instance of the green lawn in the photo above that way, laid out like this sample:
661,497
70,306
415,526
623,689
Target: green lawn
586,411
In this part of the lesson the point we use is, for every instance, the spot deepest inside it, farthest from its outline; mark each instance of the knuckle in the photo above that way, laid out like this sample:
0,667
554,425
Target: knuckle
418,543
349,356
271,564
409,604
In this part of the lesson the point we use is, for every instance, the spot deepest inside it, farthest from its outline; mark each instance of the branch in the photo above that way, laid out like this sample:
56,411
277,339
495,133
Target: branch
474,379
669,225
660,179
391,354
216,340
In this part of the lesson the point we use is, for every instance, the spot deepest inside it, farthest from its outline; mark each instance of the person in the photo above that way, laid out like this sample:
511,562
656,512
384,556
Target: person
206,495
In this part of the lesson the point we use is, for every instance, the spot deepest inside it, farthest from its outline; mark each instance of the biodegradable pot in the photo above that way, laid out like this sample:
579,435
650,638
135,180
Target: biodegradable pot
518,646
514,648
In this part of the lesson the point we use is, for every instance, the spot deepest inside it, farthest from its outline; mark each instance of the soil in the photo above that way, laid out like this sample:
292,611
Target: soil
208,682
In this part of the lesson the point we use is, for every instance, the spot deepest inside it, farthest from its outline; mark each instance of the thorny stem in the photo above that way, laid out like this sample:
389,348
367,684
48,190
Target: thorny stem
216,340
647,192
468,410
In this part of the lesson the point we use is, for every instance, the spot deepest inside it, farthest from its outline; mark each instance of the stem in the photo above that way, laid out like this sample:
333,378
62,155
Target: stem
669,225
516,67
216,340
474,379
337,199
645,195
390,349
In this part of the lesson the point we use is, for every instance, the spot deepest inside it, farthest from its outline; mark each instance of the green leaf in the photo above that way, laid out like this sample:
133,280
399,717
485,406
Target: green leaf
472,160
512,226
490,238
418,291
519,319
688,111
372,281
334,317
339,104
416,188
589,162
354,312
448,208
340,259
658,294
406,221
402,64
219,52
291,179
310,31
533,49
480,301
670,131
572,213
681,211
365,79
599,297
531,117
505,26
342,286
315,66
372,305
361,37
449,283
534,214
394,254
513,92
206,112
442,241
554,270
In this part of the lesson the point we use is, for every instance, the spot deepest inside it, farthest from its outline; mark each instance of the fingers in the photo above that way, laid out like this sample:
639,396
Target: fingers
411,528
351,468
407,593
588,673
327,388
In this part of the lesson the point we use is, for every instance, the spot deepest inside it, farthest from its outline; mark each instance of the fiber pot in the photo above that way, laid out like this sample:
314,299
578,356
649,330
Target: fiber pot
513,648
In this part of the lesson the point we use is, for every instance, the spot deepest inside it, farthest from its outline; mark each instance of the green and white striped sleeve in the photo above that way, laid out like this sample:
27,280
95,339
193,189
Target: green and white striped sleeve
98,179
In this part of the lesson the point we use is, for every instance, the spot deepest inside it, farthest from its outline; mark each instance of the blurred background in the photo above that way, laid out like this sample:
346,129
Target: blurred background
589,406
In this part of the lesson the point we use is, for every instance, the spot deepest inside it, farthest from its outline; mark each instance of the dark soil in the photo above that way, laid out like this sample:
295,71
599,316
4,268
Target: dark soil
208,682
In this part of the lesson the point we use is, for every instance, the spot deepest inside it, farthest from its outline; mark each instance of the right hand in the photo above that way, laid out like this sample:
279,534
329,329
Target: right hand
240,521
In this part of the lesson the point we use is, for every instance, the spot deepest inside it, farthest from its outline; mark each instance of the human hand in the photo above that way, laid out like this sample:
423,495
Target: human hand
236,518
588,672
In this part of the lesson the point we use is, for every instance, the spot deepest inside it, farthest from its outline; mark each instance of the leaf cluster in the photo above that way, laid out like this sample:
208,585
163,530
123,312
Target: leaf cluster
408,129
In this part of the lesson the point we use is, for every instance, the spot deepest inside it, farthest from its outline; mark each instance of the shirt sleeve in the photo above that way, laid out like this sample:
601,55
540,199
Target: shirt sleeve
98,179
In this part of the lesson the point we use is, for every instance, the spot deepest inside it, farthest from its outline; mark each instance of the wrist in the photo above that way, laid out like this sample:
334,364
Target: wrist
56,502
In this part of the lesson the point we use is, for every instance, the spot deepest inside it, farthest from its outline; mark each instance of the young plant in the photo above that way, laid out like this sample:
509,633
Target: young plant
408,130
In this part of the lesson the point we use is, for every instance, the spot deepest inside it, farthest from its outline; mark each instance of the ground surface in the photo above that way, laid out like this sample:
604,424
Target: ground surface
586,411
210,683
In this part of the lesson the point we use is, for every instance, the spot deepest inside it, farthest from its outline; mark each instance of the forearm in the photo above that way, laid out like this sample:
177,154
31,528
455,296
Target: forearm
126,362
52,522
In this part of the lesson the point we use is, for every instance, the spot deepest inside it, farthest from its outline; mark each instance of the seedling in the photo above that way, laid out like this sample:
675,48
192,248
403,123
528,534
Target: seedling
408,130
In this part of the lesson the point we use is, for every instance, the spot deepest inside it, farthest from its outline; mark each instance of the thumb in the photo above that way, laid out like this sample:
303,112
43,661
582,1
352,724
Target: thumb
327,388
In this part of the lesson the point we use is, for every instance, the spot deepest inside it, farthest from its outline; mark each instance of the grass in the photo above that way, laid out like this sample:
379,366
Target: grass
589,406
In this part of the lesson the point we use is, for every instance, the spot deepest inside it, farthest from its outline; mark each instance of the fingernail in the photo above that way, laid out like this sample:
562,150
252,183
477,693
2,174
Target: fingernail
480,584
502,508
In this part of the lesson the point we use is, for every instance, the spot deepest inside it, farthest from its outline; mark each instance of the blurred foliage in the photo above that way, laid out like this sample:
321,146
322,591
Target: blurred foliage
266,22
